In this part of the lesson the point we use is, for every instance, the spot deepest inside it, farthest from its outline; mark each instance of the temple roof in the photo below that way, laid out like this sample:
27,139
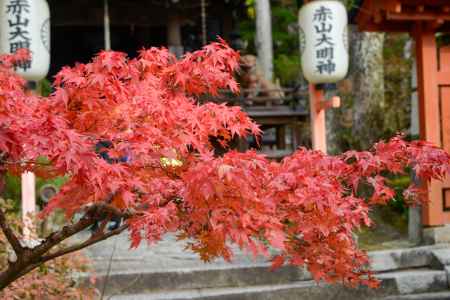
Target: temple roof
402,15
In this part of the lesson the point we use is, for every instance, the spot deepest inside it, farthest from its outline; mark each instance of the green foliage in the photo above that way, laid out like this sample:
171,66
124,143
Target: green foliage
44,87
12,189
287,68
285,38
443,39
397,79
286,43
399,183
250,4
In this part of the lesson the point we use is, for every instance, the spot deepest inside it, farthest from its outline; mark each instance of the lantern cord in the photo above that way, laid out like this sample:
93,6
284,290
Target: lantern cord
106,24
203,15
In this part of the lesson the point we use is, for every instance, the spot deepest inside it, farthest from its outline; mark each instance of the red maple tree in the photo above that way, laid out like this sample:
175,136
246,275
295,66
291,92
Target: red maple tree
161,174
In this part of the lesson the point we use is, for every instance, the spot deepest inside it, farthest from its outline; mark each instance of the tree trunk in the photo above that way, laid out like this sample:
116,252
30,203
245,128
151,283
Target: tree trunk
359,123
264,46
367,76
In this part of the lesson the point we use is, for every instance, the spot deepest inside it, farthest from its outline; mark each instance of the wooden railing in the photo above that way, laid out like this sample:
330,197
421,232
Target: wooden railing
280,113
290,97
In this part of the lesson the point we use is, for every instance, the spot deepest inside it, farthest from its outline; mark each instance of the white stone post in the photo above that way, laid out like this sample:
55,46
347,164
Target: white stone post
264,45
174,40
106,25
28,184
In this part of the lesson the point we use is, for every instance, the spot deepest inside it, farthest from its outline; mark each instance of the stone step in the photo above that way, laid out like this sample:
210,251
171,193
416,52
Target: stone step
425,296
417,281
167,269
195,278
293,291
381,261
276,154
285,283
135,276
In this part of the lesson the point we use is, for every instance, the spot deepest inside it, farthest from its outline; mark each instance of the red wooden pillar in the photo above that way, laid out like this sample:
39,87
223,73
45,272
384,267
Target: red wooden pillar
318,122
434,106
318,105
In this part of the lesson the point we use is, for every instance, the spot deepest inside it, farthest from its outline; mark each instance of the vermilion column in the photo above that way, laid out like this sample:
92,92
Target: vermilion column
318,106
430,94
318,122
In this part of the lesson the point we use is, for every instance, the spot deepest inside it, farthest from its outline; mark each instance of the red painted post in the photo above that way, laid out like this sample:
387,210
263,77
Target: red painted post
317,114
318,105
431,96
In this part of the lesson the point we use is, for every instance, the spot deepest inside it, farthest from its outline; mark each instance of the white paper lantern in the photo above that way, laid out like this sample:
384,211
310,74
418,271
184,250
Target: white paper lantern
324,41
26,24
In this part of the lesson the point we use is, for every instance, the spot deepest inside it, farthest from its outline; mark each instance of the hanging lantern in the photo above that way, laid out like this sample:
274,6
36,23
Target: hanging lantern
324,41
26,24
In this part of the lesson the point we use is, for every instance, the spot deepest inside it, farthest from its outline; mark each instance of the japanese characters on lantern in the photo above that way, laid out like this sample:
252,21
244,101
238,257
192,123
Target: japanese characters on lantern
19,35
26,24
323,41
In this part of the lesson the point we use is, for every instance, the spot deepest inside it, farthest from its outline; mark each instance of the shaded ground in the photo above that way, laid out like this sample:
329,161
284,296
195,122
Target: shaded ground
390,231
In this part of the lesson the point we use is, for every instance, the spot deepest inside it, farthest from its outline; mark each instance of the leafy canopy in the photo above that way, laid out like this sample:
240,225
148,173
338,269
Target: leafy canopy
304,209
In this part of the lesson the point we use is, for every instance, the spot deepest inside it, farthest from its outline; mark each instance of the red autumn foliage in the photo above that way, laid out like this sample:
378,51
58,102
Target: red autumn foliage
304,209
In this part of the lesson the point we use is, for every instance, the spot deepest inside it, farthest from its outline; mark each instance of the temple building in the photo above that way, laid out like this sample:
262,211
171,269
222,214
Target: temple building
79,28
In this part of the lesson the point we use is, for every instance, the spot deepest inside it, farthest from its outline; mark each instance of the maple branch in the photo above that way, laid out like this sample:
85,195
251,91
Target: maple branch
27,162
102,227
43,259
67,231
92,240
30,258
93,213
9,233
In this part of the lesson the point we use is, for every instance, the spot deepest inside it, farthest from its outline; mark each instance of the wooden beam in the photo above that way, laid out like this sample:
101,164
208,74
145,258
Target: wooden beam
392,5
387,27
443,77
378,17
435,25
334,102
365,13
380,11
417,16
425,2
385,5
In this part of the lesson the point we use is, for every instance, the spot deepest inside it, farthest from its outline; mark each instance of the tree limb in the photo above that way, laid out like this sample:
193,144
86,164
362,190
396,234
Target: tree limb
63,234
92,240
31,258
93,213
23,267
